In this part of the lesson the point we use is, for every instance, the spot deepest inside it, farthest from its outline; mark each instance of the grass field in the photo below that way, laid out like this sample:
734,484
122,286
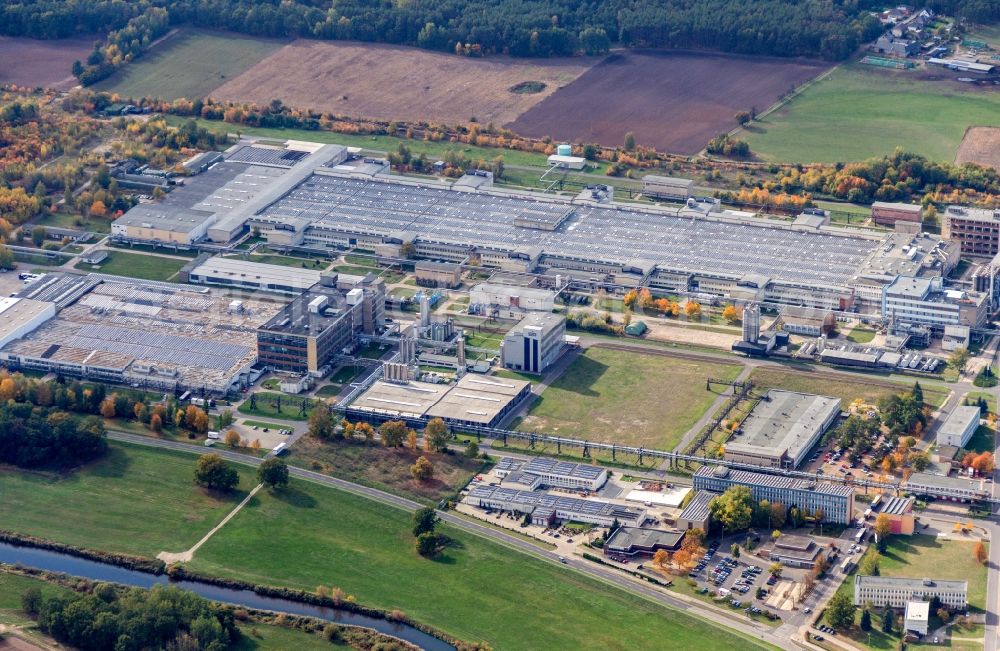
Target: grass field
923,556
982,440
858,112
385,469
628,398
991,398
190,64
808,381
277,405
861,335
135,500
75,222
311,535
136,265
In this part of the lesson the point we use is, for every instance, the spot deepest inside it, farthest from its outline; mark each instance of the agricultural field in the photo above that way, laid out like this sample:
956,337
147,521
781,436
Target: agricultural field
29,62
309,535
677,101
386,469
839,385
629,398
400,83
135,500
137,265
980,145
190,63
926,112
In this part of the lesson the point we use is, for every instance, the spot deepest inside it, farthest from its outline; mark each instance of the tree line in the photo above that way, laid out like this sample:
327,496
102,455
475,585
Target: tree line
831,29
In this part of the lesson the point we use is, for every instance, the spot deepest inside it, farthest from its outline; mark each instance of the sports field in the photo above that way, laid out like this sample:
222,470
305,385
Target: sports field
629,398
312,535
135,500
858,112
190,63
137,265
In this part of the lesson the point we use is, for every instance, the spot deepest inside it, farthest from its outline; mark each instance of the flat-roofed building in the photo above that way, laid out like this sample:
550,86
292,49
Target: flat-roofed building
924,301
959,427
509,301
976,229
160,223
887,214
916,617
667,187
782,428
565,474
644,543
835,501
244,274
795,551
437,274
535,343
958,489
899,511
895,592
21,316
697,515
555,507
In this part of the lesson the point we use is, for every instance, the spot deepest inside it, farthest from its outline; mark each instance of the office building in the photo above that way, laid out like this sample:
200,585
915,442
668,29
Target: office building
895,592
795,551
925,302
834,501
959,427
782,429
535,343
564,474
957,489
977,230
697,515
548,508
633,542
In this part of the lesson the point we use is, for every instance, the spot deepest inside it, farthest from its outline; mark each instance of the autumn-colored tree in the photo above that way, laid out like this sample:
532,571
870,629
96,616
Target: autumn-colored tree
980,553
692,309
422,469
232,439
983,463
411,439
645,298
731,314
436,435
393,433
365,430
191,416
108,407
156,423
883,526
8,390
630,299
683,557
255,446
98,209
661,559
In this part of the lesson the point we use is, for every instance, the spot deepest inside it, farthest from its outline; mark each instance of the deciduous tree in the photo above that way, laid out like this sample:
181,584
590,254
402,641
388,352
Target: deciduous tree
273,473
840,611
436,435
422,469
211,471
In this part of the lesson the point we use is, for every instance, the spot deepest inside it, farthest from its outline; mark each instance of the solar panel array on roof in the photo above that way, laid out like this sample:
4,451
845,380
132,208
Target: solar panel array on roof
548,466
266,156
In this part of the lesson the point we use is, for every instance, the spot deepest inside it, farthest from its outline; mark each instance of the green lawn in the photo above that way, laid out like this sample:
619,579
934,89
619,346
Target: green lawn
858,112
277,405
860,335
628,398
983,440
136,265
809,381
136,500
926,556
189,64
991,399
328,391
257,637
477,590
75,222
288,261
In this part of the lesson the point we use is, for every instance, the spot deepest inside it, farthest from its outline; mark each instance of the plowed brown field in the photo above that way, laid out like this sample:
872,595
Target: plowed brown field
30,62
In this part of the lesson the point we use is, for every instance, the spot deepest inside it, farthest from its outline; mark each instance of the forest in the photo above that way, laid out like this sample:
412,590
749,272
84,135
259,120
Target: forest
831,29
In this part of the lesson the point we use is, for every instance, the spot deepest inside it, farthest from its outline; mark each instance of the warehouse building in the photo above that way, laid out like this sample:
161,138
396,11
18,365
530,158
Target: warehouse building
509,301
667,187
976,229
836,502
697,513
546,509
782,429
21,316
437,274
244,274
534,344
320,324
957,489
480,400
160,224
887,214
633,542
895,592
959,427
564,474
140,333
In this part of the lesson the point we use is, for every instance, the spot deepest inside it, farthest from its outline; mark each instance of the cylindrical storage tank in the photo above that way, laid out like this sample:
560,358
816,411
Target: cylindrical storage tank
564,150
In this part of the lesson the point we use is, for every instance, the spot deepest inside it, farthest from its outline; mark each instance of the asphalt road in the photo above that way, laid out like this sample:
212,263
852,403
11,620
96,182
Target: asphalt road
718,615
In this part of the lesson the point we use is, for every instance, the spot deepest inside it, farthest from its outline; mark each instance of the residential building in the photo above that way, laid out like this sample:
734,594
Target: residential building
976,229
782,428
644,543
959,427
547,508
895,592
667,187
916,617
887,214
696,515
535,343
564,474
834,501
896,47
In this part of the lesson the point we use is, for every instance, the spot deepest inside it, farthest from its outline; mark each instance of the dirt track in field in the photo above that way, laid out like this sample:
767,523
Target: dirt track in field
399,83
980,145
29,62
674,101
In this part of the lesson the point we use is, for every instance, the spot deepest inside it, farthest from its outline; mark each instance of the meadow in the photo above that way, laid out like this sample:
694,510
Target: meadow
137,265
858,112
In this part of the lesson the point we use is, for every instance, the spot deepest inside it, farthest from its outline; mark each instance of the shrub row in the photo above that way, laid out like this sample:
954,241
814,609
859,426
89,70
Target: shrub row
138,563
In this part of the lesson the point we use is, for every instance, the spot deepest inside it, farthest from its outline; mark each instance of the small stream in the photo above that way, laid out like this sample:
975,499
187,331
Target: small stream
52,561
